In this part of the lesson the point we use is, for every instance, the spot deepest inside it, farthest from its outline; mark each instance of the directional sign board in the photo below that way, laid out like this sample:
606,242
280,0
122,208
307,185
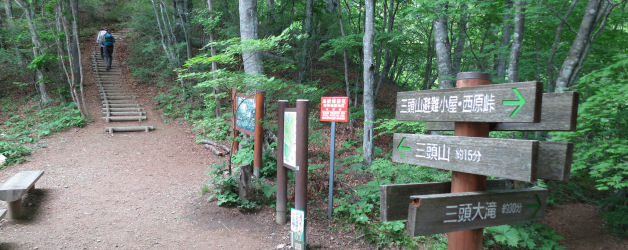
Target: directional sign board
513,102
440,213
558,113
505,158
394,198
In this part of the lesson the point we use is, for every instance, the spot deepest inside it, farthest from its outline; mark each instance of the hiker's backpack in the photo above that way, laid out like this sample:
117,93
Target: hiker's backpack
109,40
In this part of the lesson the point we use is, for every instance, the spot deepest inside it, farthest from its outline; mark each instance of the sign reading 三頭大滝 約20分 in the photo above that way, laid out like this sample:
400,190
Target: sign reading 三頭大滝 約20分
290,138
512,102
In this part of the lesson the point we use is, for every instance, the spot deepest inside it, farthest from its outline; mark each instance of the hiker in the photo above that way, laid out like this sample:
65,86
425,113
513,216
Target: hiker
99,40
108,41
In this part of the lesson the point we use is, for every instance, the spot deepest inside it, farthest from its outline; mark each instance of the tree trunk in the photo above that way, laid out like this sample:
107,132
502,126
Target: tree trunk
76,57
505,41
181,9
460,42
427,84
305,50
212,51
61,52
37,51
11,28
345,58
388,58
596,12
368,100
550,62
443,54
271,10
517,42
248,31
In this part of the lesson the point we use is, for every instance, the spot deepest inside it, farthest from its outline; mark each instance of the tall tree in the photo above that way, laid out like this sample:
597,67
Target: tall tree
345,59
517,42
369,79
305,50
11,28
37,52
504,42
595,14
212,51
77,67
460,40
443,53
550,61
248,31
388,58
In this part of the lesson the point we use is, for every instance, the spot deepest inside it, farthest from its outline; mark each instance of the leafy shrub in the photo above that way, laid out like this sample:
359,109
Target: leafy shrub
600,156
527,236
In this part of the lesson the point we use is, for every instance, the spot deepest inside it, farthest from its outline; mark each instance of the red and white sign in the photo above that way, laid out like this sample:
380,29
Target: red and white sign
334,109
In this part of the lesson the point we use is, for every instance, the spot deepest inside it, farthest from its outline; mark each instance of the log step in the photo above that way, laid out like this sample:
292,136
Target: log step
110,130
123,109
112,113
120,105
118,97
116,102
124,118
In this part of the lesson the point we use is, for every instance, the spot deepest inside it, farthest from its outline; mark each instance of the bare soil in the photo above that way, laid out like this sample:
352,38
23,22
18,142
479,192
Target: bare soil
142,191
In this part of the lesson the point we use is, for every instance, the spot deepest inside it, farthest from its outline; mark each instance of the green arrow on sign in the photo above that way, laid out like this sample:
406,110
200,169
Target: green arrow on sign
519,102
402,148
537,205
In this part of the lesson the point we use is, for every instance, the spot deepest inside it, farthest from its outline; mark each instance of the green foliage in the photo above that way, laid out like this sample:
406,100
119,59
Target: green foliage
33,125
42,61
360,206
391,126
523,236
601,140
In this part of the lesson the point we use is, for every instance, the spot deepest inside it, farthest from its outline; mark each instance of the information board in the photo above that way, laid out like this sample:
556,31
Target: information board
290,138
334,109
245,114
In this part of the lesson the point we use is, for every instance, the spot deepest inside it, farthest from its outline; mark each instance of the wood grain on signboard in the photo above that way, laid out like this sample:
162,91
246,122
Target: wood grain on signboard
529,112
428,213
554,160
558,113
394,198
504,158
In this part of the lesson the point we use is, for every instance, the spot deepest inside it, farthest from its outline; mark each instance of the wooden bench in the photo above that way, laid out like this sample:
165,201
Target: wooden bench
13,189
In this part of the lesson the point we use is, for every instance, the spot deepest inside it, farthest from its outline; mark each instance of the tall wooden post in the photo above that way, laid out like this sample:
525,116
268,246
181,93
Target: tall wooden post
282,186
463,182
234,130
259,133
301,156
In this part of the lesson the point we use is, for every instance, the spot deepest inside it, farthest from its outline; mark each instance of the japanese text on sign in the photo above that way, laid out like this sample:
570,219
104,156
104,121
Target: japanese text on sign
468,212
473,103
334,109
442,152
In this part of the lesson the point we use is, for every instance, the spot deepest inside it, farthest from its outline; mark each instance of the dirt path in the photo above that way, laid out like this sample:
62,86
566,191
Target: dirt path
129,190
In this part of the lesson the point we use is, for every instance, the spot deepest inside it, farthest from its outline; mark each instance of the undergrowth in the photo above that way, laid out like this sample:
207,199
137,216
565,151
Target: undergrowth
31,124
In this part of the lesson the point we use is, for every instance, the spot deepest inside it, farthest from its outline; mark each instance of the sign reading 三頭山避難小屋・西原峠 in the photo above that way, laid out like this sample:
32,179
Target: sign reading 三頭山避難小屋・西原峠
511,102
448,212
334,109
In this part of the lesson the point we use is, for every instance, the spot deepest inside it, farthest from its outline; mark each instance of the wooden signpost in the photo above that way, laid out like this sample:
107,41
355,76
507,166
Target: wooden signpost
249,115
513,102
505,158
440,213
292,144
473,109
558,113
